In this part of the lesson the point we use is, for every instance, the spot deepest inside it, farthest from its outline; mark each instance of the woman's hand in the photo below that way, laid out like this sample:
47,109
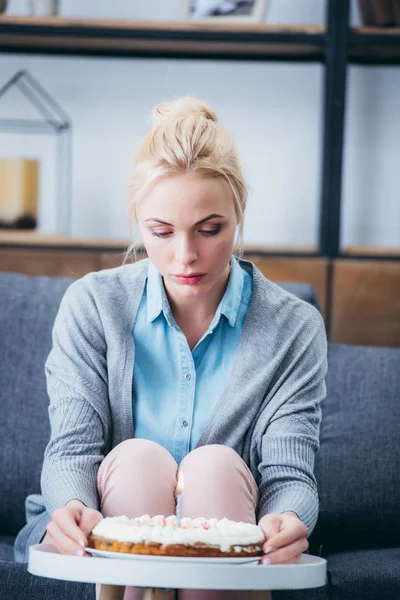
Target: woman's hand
286,538
70,526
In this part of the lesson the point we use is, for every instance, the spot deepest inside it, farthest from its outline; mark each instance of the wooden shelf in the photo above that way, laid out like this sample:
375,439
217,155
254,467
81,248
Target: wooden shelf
31,239
372,251
98,37
377,32
374,45
284,251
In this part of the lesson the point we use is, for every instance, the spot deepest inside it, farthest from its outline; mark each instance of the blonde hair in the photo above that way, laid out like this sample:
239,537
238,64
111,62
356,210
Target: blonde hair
186,138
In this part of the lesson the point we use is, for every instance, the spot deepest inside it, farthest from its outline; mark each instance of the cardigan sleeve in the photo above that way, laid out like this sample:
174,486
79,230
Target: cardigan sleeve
77,384
291,438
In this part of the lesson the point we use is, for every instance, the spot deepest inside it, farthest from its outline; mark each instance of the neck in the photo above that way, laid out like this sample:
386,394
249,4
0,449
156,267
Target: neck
195,309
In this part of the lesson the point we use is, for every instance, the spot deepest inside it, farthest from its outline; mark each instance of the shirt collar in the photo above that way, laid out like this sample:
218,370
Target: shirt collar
157,300
230,302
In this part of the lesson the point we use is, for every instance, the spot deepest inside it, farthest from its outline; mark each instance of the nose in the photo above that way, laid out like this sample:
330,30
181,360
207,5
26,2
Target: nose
185,250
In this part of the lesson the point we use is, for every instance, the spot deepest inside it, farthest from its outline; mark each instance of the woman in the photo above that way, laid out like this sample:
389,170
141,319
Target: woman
189,360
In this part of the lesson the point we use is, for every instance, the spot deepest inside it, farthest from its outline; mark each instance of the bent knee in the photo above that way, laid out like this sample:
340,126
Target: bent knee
217,456
140,451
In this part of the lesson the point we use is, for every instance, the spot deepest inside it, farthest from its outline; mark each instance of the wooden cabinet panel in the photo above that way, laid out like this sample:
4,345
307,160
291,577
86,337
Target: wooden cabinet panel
111,259
366,302
55,263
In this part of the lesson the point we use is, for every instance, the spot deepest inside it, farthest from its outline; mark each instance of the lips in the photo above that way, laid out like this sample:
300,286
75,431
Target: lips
189,279
189,275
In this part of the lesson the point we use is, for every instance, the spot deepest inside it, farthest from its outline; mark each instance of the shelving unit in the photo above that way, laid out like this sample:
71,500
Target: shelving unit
154,39
335,46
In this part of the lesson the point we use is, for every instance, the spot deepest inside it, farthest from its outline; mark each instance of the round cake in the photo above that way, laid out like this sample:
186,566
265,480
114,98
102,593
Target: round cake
161,535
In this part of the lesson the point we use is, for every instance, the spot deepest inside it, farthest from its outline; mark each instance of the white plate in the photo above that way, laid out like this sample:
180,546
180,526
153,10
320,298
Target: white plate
182,559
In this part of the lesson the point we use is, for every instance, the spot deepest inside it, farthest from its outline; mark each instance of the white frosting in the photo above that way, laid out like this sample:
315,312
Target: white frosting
222,533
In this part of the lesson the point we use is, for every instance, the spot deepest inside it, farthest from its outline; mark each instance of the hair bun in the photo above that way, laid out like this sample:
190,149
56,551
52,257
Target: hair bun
182,108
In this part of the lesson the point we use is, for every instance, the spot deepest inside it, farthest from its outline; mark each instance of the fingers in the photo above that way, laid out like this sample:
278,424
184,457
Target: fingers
88,520
70,527
293,529
286,543
286,555
63,528
67,520
270,524
63,543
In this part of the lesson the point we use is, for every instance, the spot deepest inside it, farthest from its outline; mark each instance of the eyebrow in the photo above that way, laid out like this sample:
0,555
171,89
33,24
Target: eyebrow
198,222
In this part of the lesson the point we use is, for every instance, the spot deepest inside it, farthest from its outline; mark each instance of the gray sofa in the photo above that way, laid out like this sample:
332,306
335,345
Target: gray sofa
357,466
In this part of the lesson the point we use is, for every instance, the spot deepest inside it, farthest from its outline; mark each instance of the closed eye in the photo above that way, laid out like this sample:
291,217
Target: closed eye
213,231
161,233
206,232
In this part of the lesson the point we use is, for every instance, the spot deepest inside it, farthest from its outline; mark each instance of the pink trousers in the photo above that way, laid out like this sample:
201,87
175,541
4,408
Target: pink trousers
139,477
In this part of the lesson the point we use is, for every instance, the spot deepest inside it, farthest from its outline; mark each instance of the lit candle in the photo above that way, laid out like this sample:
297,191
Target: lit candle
179,490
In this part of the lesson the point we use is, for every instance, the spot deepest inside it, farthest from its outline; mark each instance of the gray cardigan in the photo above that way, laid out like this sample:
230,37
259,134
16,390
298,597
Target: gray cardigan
269,412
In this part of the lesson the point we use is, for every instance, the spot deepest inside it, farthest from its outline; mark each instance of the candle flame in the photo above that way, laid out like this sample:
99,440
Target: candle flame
179,487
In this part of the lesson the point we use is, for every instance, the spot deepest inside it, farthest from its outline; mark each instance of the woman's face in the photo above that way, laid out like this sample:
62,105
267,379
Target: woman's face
187,224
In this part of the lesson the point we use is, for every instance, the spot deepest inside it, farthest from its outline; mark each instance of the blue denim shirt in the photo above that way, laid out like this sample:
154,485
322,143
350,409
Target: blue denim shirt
174,388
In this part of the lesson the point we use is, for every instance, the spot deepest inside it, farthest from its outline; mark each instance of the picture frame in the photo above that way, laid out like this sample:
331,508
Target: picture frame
225,11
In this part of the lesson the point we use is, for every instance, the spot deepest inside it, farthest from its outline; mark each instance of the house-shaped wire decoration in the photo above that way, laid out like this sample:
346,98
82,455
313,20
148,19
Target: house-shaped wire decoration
54,122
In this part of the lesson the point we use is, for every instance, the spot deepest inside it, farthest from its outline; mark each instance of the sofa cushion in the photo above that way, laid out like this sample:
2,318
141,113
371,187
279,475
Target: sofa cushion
7,547
365,575
319,593
357,466
304,291
18,584
28,306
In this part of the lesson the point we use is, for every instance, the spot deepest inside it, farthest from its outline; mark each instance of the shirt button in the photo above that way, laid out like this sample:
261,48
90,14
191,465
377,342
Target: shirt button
188,377
185,423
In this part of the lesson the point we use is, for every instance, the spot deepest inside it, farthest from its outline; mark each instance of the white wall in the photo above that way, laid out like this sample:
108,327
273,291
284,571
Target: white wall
273,110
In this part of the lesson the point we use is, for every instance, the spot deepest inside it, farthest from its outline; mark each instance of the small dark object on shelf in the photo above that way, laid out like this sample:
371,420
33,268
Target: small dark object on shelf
396,11
379,13
24,222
